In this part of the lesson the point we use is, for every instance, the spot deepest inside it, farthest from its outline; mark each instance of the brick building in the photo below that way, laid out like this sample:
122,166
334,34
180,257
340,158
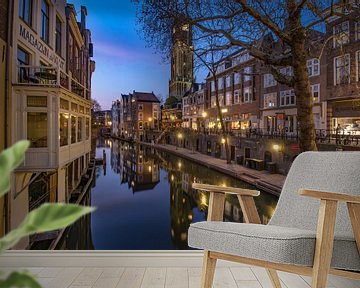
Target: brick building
49,102
193,107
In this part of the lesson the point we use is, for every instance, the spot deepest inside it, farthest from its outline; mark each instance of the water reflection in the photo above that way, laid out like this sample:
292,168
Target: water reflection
145,200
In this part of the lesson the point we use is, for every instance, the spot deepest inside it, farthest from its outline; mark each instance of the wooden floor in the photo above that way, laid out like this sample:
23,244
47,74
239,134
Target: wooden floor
142,269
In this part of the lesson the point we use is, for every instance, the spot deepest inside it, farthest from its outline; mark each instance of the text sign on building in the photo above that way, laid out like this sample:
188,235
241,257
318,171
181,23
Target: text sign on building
39,45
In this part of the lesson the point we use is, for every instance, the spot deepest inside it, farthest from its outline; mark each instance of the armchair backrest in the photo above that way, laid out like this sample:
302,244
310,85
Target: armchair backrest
324,171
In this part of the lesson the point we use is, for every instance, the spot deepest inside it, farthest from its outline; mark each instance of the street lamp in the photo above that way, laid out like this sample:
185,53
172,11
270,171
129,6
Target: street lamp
179,136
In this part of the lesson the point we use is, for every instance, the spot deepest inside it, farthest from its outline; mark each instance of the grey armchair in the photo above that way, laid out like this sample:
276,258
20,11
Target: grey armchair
314,231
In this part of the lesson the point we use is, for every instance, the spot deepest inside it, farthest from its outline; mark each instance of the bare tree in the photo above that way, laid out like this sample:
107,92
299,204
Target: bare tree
95,105
291,23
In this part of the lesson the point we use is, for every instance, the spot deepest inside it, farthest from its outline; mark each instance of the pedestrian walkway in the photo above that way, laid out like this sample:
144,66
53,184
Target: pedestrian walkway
263,180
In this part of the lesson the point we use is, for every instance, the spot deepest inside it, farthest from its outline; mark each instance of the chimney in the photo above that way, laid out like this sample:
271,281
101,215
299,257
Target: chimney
83,18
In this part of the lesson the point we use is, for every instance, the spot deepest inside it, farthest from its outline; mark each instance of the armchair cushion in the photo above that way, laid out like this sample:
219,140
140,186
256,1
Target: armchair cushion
270,243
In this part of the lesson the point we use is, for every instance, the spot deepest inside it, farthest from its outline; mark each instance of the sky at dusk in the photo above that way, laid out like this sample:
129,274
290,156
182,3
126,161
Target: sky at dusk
123,64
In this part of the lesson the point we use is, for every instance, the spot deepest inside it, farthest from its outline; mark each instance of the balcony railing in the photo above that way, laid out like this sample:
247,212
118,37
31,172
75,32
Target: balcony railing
52,77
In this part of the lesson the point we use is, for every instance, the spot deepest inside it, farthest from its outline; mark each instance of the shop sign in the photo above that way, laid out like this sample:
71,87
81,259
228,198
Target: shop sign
39,45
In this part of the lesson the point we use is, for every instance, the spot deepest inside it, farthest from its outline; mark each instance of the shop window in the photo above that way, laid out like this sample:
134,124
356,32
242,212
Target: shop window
315,92
37,129
64,129
25,11
341,34
73,129
64,104
36,101
342,69
313,66
80,129
44,32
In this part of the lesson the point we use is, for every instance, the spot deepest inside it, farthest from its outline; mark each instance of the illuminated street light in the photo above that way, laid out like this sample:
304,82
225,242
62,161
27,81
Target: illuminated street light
277,147
204,114
224,110
223,141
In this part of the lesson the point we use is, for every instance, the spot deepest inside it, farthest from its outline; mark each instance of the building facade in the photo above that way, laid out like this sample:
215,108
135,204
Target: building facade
50,102
115,118
193,107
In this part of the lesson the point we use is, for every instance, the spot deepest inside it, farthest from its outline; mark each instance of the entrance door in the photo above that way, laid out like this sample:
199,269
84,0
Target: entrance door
247,152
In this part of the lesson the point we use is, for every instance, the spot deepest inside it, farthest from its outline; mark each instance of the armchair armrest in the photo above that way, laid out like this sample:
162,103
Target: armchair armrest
217,198
323,195
225,190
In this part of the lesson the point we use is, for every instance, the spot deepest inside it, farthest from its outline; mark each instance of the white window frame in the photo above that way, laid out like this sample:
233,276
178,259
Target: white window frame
269,80
237,78
247,95
357,31
228,81
221,83
236,97
341,36
337,80
315,88
286,97
313,66
272,95
287,71
228,98
212,86
248,70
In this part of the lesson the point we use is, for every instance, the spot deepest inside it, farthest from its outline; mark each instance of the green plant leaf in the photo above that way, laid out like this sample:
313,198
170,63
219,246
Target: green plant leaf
9,160
19,280
48,217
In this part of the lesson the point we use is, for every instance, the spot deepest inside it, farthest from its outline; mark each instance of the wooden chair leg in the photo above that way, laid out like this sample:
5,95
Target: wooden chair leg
274,278
208,270
324,243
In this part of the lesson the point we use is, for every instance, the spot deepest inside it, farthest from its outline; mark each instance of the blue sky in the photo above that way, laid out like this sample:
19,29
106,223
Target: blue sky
123,64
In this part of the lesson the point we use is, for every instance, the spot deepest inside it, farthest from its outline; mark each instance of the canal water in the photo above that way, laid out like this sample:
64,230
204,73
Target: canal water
145,201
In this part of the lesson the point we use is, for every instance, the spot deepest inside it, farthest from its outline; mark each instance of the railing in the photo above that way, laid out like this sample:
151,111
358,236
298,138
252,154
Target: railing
50,76
334,137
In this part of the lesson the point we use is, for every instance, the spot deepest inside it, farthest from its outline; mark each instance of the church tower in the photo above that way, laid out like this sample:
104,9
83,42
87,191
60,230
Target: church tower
182,61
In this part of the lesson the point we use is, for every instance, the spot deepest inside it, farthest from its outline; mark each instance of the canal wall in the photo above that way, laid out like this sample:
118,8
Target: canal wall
263,180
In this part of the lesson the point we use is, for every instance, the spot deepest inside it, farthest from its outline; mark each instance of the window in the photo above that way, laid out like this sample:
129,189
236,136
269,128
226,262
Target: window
313,66
140,116
212,86
228,81
79,130
58,36
341,34
64,129
73,129
357,31
269,81
213,101
64,104
236,96
23,57
25,11
358,65
74,107
315,92
247,73
36,101
221,83
237,78
44,32
228,100
270,100
87,128
247,95
37,129
342,69
81,109
287,98
140,107
140,125
288,71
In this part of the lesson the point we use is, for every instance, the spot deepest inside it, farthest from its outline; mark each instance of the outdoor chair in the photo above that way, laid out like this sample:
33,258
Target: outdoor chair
315,230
